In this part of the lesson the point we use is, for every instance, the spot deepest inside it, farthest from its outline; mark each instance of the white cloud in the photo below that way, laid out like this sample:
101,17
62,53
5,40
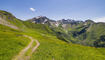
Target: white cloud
32,9
102,19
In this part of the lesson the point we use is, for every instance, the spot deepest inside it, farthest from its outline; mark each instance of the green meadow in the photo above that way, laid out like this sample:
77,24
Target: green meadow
52,48
11,42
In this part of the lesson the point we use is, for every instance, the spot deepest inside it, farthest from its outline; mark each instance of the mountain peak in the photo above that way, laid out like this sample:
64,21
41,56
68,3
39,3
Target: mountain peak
40,17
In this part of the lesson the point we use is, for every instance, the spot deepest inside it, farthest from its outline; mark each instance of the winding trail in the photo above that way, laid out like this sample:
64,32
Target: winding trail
21,55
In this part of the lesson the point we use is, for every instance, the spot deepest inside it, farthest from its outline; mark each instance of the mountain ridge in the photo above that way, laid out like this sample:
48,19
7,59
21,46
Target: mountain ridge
75,31
67,30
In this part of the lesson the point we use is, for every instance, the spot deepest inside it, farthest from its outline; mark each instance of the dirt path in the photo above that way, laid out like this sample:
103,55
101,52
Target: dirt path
34,49
21,55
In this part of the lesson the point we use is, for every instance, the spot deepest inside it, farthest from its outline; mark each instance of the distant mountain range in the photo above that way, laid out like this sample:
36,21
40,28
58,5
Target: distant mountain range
86,32
80,32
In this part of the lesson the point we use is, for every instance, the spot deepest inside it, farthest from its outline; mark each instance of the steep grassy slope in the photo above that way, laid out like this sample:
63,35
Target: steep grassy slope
94,33
91,34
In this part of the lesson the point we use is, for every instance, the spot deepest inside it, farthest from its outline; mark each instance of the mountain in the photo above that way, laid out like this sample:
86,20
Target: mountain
80,32
59,40
42,20
45,20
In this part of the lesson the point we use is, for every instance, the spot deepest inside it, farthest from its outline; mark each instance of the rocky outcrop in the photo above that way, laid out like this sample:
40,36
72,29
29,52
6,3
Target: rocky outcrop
6,23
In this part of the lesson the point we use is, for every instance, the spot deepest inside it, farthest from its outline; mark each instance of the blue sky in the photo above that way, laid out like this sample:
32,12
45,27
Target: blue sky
56,9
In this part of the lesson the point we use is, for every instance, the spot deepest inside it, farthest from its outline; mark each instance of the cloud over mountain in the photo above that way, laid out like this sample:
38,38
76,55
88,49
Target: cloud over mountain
32,9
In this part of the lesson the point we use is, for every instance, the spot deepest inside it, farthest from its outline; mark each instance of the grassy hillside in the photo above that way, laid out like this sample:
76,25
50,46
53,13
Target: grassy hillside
85,34
11,42
52,48
94,33
12,20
